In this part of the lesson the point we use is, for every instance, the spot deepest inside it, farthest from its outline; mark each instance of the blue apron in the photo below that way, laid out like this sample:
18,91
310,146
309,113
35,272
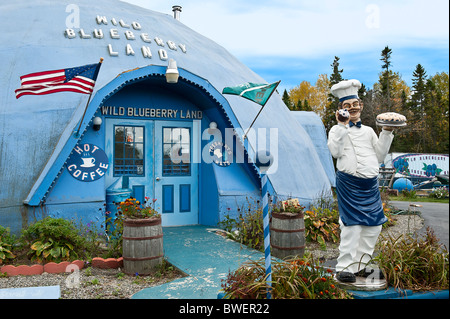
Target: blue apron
359,200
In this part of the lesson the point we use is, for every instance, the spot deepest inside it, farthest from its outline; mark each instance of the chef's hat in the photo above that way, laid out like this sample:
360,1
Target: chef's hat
346,90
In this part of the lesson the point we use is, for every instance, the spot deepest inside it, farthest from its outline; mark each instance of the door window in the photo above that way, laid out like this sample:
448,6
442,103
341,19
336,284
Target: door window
128,150
176,151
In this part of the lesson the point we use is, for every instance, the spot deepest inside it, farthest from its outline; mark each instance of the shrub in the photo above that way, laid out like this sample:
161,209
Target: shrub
325,199
114,230
322,226
417,263
54,239
6,235
440,192
411,194
228,224
94,238
387,210
250,228
247,228
5,245
296,278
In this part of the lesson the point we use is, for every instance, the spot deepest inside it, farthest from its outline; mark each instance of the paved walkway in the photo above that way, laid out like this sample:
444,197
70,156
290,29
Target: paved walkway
204,256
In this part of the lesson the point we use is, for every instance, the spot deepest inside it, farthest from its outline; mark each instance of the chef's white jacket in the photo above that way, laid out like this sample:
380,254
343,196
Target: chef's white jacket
359,151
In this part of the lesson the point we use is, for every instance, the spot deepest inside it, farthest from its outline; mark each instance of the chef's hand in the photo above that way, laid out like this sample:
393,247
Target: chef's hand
337,119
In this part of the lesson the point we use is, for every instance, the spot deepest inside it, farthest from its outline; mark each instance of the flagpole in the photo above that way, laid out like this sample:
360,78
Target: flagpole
245,135
77,134
263,168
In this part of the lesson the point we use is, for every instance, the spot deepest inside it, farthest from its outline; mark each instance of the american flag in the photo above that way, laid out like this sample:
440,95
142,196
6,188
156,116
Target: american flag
79,79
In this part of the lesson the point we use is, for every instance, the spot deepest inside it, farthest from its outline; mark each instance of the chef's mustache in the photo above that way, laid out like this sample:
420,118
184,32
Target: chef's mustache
353,108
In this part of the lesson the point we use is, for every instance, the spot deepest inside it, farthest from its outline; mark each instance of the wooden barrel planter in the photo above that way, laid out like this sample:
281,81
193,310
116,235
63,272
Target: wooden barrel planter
287,235
142,245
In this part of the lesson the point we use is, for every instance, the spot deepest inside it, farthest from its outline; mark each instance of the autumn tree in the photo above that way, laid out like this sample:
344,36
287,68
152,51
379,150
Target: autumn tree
400,94
425,105
399,90
436,111
322,90
303,91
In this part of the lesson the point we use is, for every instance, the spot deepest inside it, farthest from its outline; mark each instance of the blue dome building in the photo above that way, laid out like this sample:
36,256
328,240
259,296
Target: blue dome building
179,143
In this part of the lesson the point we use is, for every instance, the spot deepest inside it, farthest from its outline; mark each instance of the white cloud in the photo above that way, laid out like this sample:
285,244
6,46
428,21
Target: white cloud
311,28
275,37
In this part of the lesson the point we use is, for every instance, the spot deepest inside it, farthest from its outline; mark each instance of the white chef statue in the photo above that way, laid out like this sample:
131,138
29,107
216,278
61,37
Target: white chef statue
358,151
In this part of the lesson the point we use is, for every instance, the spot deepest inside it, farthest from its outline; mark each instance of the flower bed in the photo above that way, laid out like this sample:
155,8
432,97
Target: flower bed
296,278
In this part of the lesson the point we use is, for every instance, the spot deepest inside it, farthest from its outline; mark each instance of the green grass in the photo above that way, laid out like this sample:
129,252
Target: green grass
419,199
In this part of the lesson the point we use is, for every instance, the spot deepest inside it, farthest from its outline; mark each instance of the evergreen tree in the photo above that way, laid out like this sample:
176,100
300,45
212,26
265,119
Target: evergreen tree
418,108
287,99
419,81
362,91
385,90
336,76
329,118
306,106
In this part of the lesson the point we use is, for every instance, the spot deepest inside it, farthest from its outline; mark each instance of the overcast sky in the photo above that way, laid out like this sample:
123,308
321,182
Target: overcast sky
296,40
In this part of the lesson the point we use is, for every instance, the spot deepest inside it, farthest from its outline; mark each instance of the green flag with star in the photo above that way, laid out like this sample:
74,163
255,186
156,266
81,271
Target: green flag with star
258,93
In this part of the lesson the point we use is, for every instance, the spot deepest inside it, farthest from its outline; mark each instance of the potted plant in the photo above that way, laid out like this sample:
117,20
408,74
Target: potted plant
142,236
289,207
287,229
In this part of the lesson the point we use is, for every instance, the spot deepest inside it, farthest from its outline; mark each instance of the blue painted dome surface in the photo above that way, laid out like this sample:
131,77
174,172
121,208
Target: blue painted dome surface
47,35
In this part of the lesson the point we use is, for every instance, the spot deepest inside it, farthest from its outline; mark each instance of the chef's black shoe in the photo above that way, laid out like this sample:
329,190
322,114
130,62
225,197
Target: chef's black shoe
373,273
345,276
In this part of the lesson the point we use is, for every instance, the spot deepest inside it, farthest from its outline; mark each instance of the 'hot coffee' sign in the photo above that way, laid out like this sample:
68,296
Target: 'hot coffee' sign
87,162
